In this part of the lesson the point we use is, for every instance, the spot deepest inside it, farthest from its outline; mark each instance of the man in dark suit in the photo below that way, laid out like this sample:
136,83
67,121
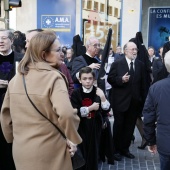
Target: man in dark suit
8,67
127,79
87,59
157,118
119,54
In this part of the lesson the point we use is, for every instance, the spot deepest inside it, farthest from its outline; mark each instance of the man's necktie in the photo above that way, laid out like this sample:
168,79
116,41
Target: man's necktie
131,71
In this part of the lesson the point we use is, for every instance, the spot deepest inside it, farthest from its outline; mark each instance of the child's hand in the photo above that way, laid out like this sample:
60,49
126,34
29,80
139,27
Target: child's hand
94,106
99,92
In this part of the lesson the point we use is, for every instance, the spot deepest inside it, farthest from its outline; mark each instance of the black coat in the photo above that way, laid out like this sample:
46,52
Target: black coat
10,75
122,93
6,160
157,109
158,70
144,57
80,62
118,56
89,130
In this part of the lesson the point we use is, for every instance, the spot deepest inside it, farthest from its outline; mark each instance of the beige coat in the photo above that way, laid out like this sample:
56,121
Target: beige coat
37,144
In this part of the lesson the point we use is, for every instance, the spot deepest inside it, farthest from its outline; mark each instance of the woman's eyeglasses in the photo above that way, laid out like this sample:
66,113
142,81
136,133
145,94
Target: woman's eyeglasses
59,50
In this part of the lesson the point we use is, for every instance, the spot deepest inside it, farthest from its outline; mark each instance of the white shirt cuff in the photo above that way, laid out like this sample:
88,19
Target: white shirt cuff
105,105
84,111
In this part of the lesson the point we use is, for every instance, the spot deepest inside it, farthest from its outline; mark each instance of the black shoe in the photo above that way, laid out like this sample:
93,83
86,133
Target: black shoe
103,160
128,155
143,146
111,162
117,157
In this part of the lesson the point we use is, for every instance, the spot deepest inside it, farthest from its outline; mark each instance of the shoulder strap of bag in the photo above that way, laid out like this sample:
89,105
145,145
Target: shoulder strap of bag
38,109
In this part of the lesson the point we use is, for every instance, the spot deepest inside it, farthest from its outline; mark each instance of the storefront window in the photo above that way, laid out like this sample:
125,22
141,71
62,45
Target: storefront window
96,6
98,17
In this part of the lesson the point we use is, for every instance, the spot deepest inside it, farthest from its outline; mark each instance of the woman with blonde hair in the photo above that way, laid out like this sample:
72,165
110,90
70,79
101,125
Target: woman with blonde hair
37,144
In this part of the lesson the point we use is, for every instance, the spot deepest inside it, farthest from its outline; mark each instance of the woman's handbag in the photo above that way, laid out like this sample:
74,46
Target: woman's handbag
77,160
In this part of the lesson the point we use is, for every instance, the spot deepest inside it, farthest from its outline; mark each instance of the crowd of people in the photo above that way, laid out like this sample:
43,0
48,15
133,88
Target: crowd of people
66,87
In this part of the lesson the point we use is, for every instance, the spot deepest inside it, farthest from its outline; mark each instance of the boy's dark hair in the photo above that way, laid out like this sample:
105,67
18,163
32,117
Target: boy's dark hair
86,70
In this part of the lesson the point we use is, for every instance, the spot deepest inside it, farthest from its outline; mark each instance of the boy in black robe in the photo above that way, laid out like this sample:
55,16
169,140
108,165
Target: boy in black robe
92,107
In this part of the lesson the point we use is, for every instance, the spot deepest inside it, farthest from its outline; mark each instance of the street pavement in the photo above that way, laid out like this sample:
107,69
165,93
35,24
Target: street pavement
144,160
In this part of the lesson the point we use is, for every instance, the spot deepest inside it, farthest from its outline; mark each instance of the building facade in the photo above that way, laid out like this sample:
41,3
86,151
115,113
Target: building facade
95,17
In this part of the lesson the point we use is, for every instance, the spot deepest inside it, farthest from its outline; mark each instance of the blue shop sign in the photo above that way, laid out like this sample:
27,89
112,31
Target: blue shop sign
159,26
60,16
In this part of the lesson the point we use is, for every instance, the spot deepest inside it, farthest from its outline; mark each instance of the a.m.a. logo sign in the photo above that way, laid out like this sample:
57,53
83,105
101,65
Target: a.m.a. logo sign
60,23
60,16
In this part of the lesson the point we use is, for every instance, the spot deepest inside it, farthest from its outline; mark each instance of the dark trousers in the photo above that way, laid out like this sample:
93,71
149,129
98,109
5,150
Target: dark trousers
164,161
123,127
6,160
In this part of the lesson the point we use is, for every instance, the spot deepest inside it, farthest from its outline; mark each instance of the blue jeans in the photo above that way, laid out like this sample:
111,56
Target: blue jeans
164,161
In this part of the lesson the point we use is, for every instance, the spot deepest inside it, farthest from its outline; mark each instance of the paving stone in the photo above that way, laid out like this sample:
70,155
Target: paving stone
149,163
143,159
151,167
128,163
128,168
142,165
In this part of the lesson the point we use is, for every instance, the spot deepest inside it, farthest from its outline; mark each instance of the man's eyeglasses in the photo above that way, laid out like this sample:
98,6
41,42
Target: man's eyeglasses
96,45
3,38
133,49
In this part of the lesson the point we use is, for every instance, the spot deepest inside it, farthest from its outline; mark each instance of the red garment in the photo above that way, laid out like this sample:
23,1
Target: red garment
88,102
66,72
